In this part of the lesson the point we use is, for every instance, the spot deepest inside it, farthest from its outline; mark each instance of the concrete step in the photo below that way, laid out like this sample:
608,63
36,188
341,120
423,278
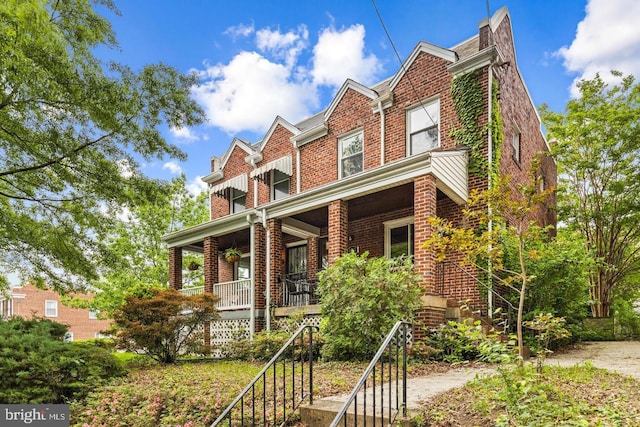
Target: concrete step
323,411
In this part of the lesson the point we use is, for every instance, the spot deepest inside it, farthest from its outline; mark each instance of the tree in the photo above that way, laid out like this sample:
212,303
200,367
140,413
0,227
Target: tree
507,215
136,243
362,298
598,147
72,131
165,323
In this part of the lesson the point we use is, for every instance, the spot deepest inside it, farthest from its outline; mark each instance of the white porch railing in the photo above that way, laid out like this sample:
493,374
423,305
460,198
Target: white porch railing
233,295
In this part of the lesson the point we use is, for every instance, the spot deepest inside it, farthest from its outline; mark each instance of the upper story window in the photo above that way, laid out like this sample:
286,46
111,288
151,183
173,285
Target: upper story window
423,127
280,183
516,143
238,201
351,151
51,308
93,314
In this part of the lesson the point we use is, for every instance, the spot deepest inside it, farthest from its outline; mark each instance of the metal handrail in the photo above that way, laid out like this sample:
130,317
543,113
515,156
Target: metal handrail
281,355
510,307
390,344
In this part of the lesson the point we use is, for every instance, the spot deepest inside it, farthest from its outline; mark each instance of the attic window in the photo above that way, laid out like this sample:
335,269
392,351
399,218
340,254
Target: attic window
423,127
351,151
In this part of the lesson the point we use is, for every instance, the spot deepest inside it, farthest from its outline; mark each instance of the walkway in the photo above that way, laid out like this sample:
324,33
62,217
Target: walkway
616,356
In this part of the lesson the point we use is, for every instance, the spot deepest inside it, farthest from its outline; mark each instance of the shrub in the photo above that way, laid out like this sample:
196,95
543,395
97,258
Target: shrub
460,341
37,366
164,324
264,346
361,299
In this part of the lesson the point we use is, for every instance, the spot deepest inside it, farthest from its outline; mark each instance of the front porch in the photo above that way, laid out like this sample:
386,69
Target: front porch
286,242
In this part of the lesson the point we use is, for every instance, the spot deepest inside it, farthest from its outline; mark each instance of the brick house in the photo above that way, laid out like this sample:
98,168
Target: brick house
364,174
28,302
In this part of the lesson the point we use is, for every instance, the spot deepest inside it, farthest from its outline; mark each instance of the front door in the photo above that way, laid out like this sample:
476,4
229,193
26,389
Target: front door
297,261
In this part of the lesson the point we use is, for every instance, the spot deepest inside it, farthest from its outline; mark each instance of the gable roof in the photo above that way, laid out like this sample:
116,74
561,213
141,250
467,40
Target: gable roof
422,47
348,84
278,121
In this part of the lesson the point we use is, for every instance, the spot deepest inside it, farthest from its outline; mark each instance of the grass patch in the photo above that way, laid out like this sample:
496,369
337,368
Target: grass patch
577,396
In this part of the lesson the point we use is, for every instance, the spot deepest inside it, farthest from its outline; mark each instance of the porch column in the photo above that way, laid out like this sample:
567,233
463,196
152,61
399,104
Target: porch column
175,268
338,229
424,188
260,274
210,278
276,263
312,257
210,263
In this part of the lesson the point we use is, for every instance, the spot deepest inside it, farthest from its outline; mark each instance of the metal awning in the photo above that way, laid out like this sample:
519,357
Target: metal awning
240,182
283,164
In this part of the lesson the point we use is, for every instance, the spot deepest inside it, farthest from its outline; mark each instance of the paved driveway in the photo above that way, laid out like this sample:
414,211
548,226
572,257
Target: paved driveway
616,356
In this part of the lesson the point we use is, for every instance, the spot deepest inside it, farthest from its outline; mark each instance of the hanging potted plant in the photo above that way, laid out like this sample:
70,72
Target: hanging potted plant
232,255
193,266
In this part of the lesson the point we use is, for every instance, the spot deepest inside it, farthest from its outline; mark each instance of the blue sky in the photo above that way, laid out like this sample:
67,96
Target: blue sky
259,59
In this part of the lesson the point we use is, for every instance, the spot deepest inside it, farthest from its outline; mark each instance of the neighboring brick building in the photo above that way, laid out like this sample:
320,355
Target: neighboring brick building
29,301
365,174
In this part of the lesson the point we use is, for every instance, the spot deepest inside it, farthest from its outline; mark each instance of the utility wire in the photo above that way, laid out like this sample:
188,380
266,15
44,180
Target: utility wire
401,62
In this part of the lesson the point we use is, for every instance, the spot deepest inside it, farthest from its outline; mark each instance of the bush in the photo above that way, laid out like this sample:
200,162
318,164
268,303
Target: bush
462,341
264,346
165,323
361,299
37,366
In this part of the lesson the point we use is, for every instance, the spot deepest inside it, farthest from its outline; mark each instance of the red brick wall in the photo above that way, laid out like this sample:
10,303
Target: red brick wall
516,109
429,77
33,305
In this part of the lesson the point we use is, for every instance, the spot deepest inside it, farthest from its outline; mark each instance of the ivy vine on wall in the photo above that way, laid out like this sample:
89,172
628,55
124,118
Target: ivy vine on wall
497,135
466,95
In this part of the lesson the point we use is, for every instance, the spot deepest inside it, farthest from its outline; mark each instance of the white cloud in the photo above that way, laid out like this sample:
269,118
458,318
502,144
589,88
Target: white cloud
287,46
196,186
240,30
250,91
172,167
183,133
607,38
282,77
339,55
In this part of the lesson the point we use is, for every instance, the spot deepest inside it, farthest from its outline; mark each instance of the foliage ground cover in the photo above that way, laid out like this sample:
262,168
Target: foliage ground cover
194,394
578,396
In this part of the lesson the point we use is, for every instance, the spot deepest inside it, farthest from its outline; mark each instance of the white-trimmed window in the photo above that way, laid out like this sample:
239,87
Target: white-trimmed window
51,308
280,183
423,127
242,268
93,314
351,152
516,143
68,337
398,237
238,200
